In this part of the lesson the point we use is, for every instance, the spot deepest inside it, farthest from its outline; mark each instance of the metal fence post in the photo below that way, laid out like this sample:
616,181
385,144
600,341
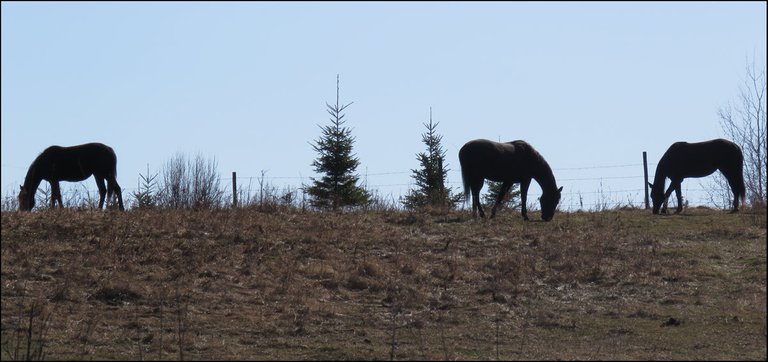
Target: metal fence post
645,184
234,189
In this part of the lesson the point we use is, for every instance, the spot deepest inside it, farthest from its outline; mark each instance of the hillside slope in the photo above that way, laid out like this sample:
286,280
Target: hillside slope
367,285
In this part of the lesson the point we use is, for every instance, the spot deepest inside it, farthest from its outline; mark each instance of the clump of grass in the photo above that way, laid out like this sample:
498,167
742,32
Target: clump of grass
27,339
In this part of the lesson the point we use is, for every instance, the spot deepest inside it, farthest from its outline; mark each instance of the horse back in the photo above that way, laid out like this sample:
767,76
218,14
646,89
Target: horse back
699,159
510,161
77,163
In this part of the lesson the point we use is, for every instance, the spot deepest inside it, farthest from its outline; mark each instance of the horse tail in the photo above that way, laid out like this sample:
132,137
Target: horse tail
113,161
741,189
737,179
464,174
465,181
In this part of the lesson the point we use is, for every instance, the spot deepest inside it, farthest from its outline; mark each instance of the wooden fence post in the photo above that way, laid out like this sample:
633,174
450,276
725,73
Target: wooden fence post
234,189
645,184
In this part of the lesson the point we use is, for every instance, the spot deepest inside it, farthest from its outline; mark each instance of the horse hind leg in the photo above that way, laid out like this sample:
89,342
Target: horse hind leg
102,191
735,192
119,192
113,189
732,182
476,204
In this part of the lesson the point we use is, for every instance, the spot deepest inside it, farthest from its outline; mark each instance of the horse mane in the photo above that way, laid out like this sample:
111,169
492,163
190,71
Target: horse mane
545,178
32,180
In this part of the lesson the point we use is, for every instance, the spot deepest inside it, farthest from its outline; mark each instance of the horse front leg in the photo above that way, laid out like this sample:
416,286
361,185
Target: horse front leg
56,195
524,198
679,194
666,197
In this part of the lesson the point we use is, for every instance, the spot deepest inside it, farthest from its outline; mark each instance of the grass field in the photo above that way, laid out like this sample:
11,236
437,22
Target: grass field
244,284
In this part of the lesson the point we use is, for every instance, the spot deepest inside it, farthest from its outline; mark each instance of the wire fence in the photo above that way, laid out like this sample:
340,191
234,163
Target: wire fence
604,194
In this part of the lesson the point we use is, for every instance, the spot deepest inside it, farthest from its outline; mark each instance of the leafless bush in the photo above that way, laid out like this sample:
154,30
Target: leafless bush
267,197
27,340
82,198
44,196
379,202
190,184
10,202
745,124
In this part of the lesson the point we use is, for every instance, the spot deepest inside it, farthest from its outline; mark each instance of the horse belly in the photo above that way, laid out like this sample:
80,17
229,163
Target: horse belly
502,177
702,169
71,172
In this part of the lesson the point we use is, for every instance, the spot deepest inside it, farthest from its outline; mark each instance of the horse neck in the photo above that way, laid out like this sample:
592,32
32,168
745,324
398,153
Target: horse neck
545,178
660,177
33,178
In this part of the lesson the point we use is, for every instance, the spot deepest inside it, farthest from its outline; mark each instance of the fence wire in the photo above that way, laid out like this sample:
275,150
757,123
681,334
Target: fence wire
572,199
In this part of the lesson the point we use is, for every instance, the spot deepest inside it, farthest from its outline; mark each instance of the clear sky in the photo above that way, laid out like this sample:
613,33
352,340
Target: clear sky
587,84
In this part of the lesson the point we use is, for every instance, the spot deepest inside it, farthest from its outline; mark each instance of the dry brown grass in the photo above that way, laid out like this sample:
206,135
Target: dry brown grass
288,285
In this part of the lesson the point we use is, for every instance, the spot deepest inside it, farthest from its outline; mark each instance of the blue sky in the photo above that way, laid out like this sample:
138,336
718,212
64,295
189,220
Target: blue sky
587,84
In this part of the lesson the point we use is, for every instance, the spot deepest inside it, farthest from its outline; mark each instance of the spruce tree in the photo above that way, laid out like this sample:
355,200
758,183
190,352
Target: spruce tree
430,179
511,199
338,187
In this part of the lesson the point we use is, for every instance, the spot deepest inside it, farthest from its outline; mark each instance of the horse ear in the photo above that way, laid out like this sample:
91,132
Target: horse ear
21,187
650,185
560,189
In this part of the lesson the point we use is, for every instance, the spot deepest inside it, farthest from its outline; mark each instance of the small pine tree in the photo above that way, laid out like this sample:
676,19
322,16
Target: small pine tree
338,187
511,199
146,194
430,179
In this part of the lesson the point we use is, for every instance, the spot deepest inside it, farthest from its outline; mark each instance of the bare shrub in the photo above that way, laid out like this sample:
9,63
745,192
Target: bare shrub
267,197
10,202
190,184
745,124
28,336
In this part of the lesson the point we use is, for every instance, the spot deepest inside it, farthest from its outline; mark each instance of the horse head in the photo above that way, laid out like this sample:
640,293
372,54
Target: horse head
26,199
549,201
657,197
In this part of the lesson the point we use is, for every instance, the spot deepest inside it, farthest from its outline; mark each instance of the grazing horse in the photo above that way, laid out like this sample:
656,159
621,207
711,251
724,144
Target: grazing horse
700,159
509,163
75,163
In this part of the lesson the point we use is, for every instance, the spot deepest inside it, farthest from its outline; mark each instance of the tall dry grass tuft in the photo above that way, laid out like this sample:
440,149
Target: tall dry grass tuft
27,339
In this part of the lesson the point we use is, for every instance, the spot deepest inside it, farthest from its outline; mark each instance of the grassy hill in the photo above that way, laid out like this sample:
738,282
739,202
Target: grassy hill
244,284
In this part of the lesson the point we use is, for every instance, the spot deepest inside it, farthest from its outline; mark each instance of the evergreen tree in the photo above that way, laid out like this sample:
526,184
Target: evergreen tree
430,179
511,199
338,187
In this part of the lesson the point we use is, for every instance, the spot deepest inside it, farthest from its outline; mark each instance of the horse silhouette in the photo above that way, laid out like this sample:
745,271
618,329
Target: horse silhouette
72,164
509,163
683,160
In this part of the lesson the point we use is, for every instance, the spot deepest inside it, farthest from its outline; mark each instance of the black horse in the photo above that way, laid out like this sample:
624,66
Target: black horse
700,159
75,163
509,163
